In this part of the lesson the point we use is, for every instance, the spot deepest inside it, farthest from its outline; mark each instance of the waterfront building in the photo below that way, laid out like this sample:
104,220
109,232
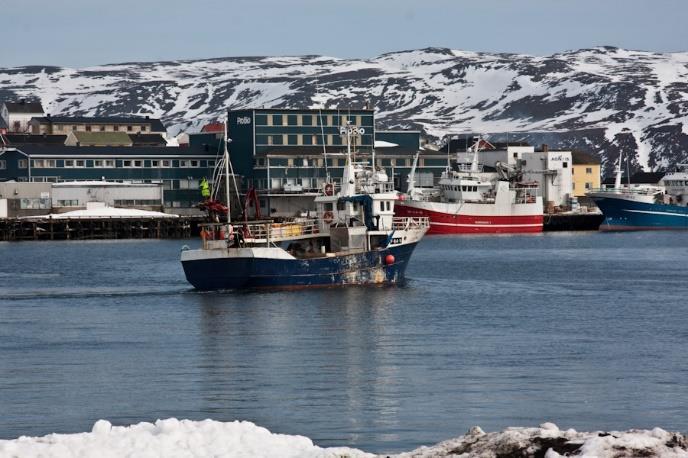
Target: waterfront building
178,170
16,115
287,155
62,125
585,172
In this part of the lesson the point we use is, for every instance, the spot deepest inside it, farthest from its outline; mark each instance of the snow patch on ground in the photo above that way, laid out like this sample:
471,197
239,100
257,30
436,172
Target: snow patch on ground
174,438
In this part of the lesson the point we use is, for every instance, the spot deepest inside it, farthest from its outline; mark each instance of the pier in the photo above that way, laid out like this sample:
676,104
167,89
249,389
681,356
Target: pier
23,229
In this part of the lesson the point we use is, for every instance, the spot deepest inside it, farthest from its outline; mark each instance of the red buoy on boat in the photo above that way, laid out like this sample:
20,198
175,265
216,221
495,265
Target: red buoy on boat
389,259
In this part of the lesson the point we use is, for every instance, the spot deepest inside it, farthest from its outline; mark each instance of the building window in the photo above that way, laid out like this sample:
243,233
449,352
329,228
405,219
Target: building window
115,128
277,140
276,120
102,128
261,139
69,163
292,120
194,163
307,139
166,163
143,128
588,170
155,163
126,163
211,164
129,128
565,165
293,139
307,120
138,163
588,185
23,163
88,128
74,128
261,120
80,163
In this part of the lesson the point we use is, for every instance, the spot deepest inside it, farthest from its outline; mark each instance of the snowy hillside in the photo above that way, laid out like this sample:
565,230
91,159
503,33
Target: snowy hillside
601,100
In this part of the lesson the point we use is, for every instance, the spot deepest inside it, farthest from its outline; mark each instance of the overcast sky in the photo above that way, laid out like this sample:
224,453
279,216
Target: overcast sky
89,32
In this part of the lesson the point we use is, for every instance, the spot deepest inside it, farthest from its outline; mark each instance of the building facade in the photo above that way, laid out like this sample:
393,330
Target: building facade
17,115
586,173
63,125
178,170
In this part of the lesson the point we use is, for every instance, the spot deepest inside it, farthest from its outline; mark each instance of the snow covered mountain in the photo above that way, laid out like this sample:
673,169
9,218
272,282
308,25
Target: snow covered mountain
601,100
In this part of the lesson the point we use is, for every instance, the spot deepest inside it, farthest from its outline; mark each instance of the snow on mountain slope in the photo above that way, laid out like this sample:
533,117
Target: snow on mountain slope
603,100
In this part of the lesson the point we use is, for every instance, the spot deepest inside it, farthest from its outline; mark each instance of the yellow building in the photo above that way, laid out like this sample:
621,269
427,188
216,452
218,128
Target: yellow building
585,172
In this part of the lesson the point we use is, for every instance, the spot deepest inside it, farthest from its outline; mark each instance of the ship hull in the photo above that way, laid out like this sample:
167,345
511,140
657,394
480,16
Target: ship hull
628,215
369,267
474,218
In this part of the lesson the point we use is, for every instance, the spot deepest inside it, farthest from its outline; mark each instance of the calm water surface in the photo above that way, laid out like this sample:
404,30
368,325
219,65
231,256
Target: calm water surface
586,330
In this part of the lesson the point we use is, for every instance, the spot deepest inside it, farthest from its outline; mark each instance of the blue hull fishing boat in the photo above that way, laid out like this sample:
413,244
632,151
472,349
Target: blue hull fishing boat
645,207
353,239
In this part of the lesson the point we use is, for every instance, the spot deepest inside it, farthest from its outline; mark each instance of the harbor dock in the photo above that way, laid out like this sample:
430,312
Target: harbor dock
44,228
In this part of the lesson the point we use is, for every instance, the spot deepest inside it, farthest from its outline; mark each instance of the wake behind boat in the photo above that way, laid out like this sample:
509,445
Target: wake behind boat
354,239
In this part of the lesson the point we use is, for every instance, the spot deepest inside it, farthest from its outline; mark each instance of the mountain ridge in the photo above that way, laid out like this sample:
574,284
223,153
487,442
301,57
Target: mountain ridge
603,100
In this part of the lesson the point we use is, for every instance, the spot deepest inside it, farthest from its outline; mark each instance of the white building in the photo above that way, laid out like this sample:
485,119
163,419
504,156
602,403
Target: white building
72,195
16,115
551,169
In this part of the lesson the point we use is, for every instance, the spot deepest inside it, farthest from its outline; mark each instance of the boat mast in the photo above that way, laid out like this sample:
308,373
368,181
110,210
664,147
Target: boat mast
226,159
617,181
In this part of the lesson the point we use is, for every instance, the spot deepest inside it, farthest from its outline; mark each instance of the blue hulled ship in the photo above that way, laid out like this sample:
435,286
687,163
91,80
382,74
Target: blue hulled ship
354,238
645,207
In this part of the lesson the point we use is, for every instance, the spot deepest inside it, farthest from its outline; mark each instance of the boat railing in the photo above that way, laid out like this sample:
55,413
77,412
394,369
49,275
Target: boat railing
404,223
644,191
256,232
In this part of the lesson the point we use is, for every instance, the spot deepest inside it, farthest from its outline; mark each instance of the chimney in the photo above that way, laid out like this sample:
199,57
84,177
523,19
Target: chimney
545,148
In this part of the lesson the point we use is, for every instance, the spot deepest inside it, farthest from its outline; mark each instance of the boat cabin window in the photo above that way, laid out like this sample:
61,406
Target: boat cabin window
328,206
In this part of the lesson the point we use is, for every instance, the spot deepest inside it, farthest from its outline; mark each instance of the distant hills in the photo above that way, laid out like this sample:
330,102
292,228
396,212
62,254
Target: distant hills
601,100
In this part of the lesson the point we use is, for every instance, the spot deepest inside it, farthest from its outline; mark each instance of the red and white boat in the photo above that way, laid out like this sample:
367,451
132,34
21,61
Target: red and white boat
470,199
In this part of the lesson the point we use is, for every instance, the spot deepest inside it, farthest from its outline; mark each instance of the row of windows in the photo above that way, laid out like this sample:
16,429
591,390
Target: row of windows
464,188
588,185
306,139
341,162
111,163
91,128
676,183
588,170
331,120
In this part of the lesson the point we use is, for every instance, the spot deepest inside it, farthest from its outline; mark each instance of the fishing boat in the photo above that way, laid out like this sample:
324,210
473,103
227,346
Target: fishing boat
645,207
474,199
352,239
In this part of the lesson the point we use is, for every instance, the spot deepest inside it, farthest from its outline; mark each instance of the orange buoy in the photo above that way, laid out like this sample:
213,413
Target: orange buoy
389,259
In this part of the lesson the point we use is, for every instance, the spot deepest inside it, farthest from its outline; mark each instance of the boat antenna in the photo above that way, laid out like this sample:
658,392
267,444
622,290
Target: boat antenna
628,170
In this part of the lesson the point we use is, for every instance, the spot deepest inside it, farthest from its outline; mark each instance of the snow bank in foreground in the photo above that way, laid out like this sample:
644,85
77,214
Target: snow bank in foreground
550,442
172,438
186,438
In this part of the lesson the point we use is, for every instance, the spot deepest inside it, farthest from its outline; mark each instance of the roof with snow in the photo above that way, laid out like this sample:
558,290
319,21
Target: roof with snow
24,107
110,212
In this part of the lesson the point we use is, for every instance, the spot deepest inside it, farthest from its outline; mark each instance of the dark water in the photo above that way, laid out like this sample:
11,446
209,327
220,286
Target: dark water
589,331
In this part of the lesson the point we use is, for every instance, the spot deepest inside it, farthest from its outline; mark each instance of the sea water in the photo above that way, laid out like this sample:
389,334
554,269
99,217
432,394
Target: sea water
587,330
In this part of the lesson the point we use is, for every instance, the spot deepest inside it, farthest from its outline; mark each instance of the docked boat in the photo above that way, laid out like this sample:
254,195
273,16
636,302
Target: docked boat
470,199
645,207
354,238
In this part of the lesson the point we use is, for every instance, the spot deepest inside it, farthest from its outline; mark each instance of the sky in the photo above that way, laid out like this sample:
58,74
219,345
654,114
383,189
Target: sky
78,33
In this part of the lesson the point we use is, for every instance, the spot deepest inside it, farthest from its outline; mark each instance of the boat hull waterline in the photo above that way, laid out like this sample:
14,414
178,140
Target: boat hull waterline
628,215
234,272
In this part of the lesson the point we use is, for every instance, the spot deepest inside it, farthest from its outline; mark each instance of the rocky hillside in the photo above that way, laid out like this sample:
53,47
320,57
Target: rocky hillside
601,100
